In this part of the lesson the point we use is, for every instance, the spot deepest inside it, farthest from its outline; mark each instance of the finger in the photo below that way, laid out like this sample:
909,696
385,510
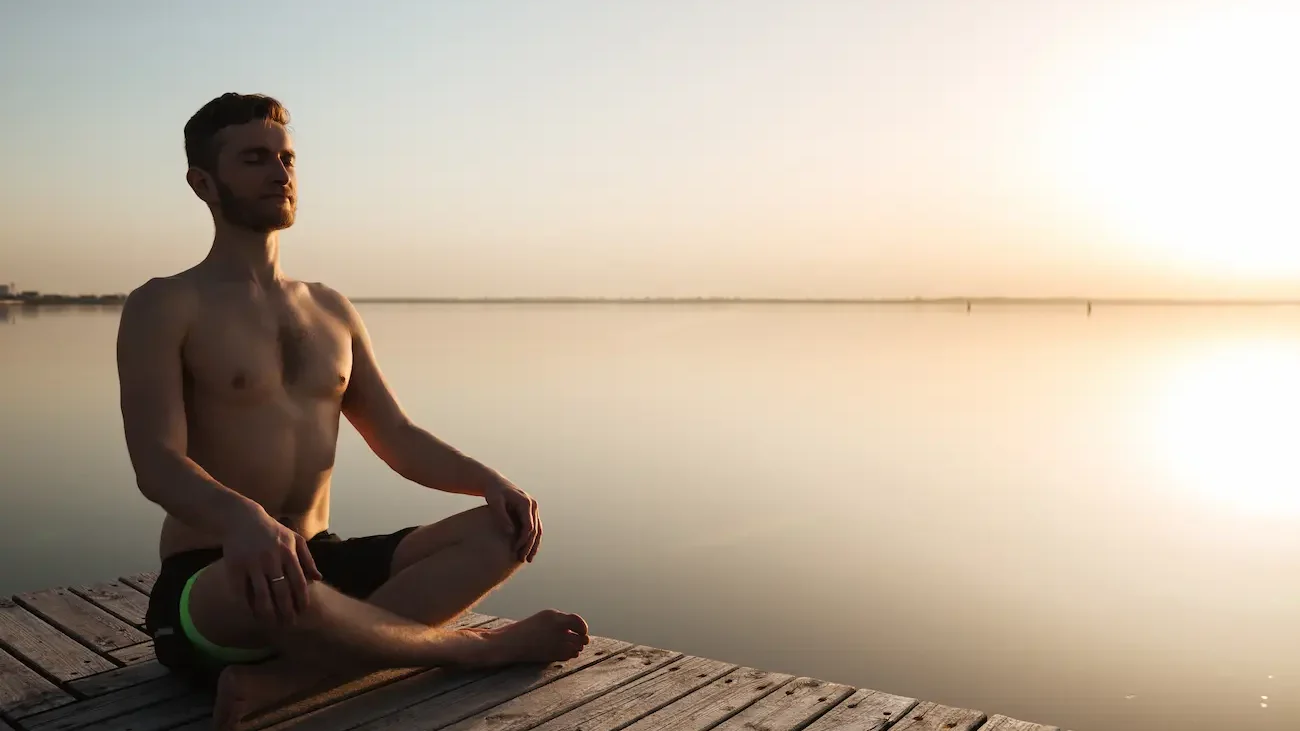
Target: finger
282,597
297,582
278,593
262,606
524,535
535,536
502,514
308,561
530,531
537,540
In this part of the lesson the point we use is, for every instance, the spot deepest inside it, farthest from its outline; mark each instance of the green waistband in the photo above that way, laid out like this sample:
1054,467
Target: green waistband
211,649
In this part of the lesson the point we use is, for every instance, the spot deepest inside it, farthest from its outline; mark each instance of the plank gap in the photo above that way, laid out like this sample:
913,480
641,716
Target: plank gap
81,621
46,638
118,599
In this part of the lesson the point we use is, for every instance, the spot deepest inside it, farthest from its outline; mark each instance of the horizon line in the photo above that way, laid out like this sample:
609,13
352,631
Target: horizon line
953,299
54,298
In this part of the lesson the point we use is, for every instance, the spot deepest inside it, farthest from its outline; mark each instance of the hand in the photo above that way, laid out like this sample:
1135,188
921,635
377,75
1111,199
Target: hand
260,549
516,512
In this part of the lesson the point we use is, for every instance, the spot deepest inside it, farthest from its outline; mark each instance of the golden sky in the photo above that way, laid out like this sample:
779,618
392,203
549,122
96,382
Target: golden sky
743,147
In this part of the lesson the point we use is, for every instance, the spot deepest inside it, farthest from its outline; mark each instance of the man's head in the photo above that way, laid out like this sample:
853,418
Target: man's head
241,161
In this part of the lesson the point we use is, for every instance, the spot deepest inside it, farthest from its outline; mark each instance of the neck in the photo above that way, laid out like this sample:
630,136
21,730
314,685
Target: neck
239,253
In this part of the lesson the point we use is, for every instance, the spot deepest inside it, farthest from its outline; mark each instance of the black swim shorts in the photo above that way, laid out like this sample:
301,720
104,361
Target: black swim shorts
355,567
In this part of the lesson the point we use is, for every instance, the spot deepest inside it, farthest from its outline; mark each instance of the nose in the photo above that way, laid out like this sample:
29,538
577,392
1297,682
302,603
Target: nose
280,172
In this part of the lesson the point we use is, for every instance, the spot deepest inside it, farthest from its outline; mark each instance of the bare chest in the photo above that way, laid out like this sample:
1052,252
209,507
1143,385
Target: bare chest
250,354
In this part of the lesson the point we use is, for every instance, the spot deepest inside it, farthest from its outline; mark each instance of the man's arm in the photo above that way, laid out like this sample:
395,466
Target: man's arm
372,408
151,332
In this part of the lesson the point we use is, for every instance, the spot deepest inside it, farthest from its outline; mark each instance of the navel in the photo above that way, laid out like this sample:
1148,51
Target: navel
239,381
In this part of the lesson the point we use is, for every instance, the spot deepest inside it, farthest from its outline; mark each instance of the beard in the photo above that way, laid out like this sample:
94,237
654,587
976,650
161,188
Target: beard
255,214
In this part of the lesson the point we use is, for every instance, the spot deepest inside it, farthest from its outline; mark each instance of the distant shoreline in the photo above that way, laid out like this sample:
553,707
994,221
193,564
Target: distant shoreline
1075,301
64,299
118,299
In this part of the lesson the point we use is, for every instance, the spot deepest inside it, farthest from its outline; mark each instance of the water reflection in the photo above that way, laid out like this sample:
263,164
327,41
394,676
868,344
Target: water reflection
11,312
1019,511
1224,424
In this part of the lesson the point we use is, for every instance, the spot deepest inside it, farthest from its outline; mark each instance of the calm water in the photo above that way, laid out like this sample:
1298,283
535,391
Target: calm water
1091,522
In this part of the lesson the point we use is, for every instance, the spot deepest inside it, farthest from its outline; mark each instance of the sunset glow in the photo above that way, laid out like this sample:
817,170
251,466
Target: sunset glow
1224,426
1186,143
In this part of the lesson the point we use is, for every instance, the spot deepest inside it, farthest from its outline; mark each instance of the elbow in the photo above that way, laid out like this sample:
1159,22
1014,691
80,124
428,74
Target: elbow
150,483
153,470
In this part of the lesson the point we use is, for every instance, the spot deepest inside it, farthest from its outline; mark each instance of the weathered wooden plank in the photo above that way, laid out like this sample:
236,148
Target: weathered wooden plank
356,707
567,693
790,708
23,691
4,725
641,697
81,619
928,716
339,689
57,655
479,696
715,702
112,680
99,711
1003,723
167,715
864,710
126,603
145,668
143,581
142,652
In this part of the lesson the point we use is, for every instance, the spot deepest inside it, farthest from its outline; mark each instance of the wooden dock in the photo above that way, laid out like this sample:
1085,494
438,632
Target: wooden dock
77,658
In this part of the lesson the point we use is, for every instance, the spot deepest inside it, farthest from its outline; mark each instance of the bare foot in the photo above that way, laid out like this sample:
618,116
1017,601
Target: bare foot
244,690
548,636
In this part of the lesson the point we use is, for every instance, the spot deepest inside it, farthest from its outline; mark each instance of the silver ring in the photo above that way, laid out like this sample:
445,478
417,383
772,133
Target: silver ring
278,578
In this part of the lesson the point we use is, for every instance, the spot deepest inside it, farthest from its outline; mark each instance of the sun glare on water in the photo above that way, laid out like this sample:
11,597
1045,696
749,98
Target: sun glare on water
1226,426
1188,144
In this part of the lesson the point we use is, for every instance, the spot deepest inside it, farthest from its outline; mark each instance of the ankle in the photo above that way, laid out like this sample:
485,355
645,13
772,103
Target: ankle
459,647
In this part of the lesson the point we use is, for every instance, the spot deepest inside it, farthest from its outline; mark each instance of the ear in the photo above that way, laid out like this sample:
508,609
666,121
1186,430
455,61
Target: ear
201,183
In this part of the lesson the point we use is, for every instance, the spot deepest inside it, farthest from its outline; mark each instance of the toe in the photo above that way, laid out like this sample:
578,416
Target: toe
574,623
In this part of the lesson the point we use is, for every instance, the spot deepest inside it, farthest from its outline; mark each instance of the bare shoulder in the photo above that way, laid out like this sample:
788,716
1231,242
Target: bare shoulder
160,300
334,302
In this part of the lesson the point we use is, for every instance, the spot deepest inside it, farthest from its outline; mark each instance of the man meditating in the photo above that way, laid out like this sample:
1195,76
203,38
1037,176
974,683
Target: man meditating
233,378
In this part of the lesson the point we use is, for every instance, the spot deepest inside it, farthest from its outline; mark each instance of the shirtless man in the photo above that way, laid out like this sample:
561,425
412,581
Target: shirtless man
233,379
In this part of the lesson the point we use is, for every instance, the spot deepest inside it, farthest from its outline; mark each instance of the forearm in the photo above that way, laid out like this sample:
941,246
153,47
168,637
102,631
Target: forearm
426,460
188,493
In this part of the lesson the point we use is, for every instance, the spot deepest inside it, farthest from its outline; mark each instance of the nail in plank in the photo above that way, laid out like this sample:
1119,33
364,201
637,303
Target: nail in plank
792,707
930,716
81,619
715,702
864,710
543,704
124,602
23,691
32,639
641,697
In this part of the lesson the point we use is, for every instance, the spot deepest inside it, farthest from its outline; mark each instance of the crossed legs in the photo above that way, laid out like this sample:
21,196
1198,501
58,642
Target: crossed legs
438,571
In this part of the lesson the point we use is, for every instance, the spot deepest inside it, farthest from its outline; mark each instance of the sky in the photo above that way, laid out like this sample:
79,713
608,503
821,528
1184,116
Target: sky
828,148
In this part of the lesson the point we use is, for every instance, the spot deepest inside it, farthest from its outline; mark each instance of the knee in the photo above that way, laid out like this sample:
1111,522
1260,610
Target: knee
497,544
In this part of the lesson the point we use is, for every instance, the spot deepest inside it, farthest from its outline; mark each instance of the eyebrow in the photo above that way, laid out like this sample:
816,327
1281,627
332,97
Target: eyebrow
267,151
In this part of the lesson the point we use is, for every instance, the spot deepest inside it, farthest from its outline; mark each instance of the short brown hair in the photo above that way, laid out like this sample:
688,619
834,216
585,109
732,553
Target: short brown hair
229,109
